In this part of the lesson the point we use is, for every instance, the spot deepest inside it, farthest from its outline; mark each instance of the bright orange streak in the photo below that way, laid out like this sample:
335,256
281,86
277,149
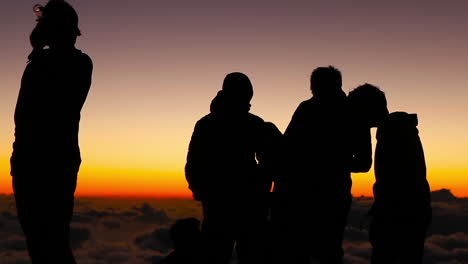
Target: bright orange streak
362,184
453,179
131,183
126,183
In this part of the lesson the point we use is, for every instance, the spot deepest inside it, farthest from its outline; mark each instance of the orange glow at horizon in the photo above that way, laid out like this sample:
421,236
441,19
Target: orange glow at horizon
143,183
132,183
453,179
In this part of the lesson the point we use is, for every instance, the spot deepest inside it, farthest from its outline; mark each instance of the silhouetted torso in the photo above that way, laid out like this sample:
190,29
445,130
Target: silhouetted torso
400,168
313,194
223,174
221,161
317,148
53,90
401,210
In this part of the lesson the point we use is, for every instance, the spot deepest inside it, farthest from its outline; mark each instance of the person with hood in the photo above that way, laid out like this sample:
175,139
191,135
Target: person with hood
313,193
46,155
223,174
401,212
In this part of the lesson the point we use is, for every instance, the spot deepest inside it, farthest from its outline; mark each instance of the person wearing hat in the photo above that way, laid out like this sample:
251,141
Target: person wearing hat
46,155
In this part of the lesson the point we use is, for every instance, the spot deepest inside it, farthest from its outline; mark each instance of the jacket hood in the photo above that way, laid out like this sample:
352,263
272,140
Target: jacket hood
399,124
403,119
225,104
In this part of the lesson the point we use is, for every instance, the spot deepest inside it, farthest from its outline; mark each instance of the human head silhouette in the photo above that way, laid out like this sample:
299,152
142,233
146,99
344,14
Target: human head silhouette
235,95
185,233
237,86
325,81
368,104
56,27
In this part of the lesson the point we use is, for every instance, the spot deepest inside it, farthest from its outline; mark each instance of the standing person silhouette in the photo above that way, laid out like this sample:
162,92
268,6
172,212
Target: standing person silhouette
313,194
401,213
223,174
46,156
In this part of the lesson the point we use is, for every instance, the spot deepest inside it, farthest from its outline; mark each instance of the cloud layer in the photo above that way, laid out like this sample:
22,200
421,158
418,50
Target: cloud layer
136,231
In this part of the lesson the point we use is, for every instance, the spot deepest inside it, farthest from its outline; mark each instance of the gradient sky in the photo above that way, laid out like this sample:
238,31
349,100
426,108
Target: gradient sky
158,64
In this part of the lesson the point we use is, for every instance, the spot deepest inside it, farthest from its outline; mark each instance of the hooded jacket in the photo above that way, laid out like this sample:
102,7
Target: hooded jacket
401,186
221,160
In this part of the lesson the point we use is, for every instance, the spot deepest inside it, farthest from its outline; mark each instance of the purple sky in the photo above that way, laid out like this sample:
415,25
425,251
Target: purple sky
159,63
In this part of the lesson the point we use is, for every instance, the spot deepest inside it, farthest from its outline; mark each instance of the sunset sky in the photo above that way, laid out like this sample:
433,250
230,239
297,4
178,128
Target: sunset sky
158,64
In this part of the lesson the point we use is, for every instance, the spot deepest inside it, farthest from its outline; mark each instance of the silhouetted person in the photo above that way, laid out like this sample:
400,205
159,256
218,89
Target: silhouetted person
402,206
223,174
46,155
269,162
313,194
186,237
269,156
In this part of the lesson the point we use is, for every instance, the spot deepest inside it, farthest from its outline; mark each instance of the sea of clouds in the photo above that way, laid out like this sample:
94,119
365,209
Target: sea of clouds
135,231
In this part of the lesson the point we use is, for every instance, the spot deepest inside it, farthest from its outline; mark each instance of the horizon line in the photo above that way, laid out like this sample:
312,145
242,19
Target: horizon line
188,197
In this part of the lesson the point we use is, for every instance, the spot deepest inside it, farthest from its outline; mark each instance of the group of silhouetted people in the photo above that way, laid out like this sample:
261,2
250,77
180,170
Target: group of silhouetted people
234,159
